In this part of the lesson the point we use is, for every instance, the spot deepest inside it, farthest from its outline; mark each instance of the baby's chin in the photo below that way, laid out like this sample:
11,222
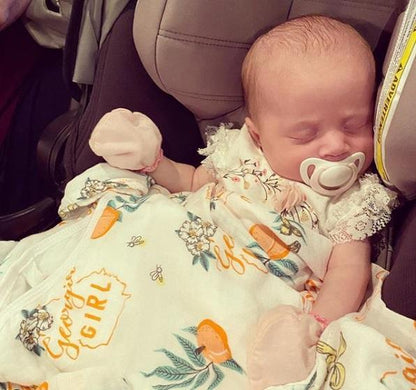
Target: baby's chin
290,177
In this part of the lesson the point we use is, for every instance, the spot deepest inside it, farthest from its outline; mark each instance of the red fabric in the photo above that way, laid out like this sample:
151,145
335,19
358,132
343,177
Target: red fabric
19,54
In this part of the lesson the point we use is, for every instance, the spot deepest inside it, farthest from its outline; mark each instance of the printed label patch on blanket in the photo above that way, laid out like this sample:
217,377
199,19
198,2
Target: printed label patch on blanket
88,314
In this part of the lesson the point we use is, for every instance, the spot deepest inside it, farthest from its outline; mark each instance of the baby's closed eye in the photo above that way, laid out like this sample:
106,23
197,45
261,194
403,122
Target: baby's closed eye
303,135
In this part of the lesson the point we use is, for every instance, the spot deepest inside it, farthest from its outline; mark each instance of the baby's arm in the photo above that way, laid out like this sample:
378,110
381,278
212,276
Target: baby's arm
345,281
130,140
178,177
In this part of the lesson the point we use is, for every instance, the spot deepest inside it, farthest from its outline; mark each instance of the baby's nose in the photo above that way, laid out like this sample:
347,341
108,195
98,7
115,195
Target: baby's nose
334,146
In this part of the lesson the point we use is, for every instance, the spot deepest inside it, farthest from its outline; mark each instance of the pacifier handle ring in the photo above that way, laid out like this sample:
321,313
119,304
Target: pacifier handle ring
312,162
360,156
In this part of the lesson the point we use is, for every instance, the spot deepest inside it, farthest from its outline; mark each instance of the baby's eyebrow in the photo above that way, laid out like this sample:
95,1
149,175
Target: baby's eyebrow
305,131
363,112
363,116
305,124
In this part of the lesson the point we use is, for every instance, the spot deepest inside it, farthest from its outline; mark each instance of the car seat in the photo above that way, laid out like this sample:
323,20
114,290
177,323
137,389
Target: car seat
185,73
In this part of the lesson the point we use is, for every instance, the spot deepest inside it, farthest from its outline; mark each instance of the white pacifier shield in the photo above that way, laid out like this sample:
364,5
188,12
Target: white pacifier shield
331,178
336,176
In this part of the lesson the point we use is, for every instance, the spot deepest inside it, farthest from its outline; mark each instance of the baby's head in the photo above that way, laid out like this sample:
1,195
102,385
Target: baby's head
309,90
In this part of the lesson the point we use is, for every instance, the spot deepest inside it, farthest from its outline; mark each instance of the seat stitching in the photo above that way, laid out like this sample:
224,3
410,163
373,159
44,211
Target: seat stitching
241,46
203,37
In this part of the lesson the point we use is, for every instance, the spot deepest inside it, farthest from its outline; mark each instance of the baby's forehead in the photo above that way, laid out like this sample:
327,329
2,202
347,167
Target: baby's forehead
278,46
316,36
276,59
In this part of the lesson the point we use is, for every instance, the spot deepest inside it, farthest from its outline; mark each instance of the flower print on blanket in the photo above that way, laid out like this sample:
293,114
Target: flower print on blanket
35,321
251,174
94,187
204,361
197,235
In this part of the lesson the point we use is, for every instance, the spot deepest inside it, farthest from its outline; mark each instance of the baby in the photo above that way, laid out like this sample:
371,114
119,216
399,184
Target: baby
309,92
142,287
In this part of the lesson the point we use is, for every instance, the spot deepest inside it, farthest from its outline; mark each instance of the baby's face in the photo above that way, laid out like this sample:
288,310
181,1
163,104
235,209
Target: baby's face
314,109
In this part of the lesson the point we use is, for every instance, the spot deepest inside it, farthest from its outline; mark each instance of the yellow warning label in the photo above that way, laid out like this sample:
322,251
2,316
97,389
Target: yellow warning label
388,103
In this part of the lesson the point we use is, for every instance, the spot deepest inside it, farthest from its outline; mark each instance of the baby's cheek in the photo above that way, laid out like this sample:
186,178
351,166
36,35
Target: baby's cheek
368,150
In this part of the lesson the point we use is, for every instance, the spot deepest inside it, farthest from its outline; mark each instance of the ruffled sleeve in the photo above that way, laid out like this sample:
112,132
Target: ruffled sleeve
221,149
361,212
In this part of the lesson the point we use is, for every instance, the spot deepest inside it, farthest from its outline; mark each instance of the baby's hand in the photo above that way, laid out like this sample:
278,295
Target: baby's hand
283,347
127,140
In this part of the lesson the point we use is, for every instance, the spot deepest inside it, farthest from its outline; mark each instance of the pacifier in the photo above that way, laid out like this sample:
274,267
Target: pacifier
331,178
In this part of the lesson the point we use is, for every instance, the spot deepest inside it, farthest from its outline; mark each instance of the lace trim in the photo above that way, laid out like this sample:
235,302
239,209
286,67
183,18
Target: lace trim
219,146
363,213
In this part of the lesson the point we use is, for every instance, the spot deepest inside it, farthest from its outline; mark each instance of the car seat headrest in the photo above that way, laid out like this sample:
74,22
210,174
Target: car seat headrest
193,49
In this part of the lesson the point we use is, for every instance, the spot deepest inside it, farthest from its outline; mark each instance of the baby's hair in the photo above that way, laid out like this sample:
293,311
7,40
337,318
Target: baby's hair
311,34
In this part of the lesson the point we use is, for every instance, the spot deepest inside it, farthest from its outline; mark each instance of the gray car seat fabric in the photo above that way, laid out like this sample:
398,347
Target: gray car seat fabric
98,19
398,288
197,59
121,81
48,23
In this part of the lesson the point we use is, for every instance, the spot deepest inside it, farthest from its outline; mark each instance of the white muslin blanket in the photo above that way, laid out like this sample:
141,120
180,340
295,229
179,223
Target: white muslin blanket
138,289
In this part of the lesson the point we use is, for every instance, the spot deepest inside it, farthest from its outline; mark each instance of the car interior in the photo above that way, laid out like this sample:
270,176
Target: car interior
178,62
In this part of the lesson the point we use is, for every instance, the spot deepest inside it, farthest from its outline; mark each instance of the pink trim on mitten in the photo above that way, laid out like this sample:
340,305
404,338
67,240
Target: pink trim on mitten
321,320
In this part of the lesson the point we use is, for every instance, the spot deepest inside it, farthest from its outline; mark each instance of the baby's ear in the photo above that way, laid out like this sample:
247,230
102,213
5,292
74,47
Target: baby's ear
252,129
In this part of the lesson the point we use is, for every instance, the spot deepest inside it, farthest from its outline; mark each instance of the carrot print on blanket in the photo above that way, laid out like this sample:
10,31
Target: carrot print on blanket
204,361
212,341
113,213
108,218
276,249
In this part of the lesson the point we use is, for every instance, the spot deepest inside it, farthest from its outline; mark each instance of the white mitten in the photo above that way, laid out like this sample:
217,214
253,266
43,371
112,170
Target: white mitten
127,140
